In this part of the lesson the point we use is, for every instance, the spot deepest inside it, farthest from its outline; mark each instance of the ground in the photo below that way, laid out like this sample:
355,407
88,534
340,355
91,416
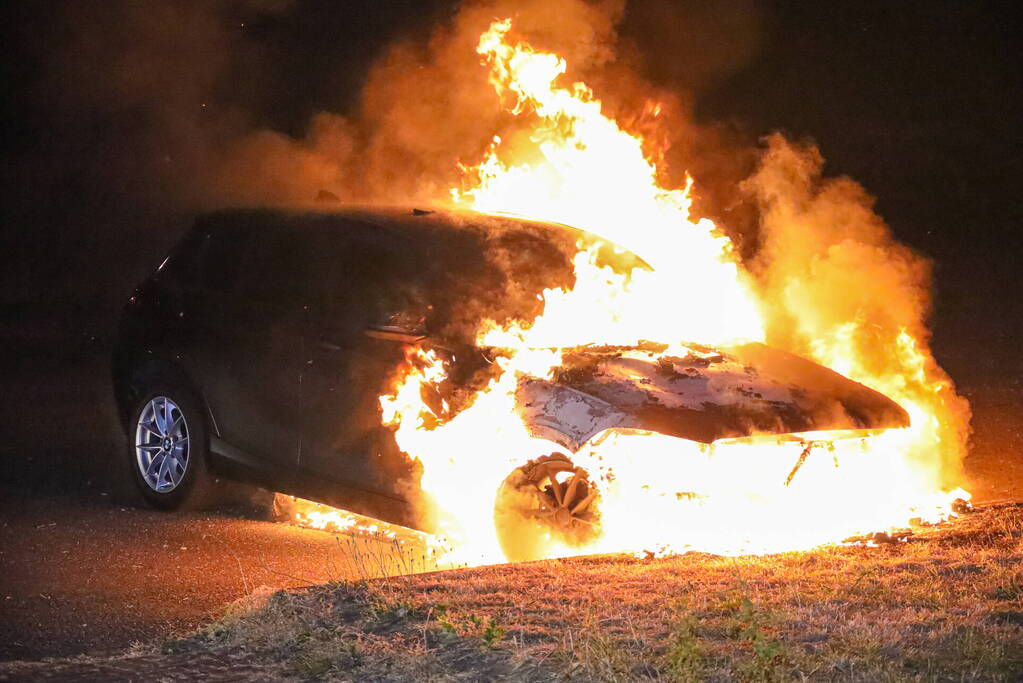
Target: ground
86,572
945,604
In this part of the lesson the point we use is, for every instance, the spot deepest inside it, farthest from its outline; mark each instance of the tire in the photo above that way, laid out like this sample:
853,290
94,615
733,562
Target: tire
526,509
168,425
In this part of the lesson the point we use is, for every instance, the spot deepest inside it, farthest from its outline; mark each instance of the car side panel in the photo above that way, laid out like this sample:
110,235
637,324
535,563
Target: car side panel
346,371
343,437
249,359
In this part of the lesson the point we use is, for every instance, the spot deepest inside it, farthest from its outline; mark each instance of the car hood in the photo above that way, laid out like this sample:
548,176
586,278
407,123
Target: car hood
703,394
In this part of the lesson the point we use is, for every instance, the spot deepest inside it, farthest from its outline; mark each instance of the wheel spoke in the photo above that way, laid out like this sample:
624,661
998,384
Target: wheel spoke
176,427
573,486
584,503
156,417
166,417
559,492
161,428
164,467
180,454
158,458
148,447
175,470
152,431
546,500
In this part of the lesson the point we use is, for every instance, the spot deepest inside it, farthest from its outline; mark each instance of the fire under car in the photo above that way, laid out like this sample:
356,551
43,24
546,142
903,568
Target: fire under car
259,349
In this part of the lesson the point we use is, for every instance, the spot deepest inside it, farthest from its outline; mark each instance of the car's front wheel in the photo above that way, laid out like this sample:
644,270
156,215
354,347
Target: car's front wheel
544,506
167,449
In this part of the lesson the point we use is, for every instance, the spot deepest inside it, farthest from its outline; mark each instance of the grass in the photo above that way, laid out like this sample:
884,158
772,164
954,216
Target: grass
355,630
946,605
685,657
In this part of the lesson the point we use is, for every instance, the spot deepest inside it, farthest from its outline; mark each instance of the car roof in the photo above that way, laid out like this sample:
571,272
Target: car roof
407,221
428,225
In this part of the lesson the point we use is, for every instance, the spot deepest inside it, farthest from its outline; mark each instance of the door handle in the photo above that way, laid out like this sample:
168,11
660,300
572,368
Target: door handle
329,346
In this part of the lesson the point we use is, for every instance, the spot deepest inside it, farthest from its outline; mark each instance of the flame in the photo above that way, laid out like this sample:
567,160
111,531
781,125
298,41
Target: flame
594,175
315,515
658,494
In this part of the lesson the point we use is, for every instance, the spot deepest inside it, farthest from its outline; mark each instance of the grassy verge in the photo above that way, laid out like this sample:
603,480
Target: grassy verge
946,604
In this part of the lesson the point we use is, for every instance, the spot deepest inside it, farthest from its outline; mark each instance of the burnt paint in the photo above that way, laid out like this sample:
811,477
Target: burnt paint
711,394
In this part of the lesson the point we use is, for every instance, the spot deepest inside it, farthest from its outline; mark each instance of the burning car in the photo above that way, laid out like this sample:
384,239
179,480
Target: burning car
261,347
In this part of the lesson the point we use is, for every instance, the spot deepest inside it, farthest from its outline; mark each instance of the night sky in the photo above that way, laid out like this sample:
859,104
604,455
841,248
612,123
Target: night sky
918,101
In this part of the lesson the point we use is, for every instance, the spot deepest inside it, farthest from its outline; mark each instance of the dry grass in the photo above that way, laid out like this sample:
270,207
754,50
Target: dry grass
945,605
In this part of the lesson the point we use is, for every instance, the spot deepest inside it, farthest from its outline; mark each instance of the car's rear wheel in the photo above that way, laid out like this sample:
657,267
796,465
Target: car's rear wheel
543,505
167,449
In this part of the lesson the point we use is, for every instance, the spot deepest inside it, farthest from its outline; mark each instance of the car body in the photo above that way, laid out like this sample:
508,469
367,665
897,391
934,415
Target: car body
280,330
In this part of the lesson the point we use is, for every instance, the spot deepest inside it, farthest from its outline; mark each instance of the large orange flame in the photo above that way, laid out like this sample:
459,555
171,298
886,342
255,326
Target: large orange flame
658,494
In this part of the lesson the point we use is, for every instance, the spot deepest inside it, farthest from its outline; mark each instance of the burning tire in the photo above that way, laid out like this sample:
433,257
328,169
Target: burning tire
167,450
543,504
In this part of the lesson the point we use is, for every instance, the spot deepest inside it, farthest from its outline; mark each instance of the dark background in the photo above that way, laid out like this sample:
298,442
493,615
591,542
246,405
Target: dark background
922,103
918,101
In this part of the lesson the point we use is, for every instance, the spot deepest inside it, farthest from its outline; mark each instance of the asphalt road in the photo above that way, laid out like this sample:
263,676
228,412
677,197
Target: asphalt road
84,567
83,575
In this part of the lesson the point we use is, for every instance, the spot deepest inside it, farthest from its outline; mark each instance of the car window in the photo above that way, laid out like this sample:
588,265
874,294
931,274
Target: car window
442,275
273,269
365,275
439,279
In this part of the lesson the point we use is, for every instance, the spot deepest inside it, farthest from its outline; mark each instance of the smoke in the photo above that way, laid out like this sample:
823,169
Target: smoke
836,284
427,105
141,94
123,109
169,106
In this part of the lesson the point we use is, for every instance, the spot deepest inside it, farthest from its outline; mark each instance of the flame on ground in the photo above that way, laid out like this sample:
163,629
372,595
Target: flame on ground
658,494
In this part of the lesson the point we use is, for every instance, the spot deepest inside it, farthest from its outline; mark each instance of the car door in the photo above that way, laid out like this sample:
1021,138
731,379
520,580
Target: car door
251,327
355,345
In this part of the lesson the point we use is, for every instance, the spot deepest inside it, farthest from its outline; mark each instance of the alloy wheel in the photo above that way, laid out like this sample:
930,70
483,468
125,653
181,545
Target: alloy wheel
162,444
